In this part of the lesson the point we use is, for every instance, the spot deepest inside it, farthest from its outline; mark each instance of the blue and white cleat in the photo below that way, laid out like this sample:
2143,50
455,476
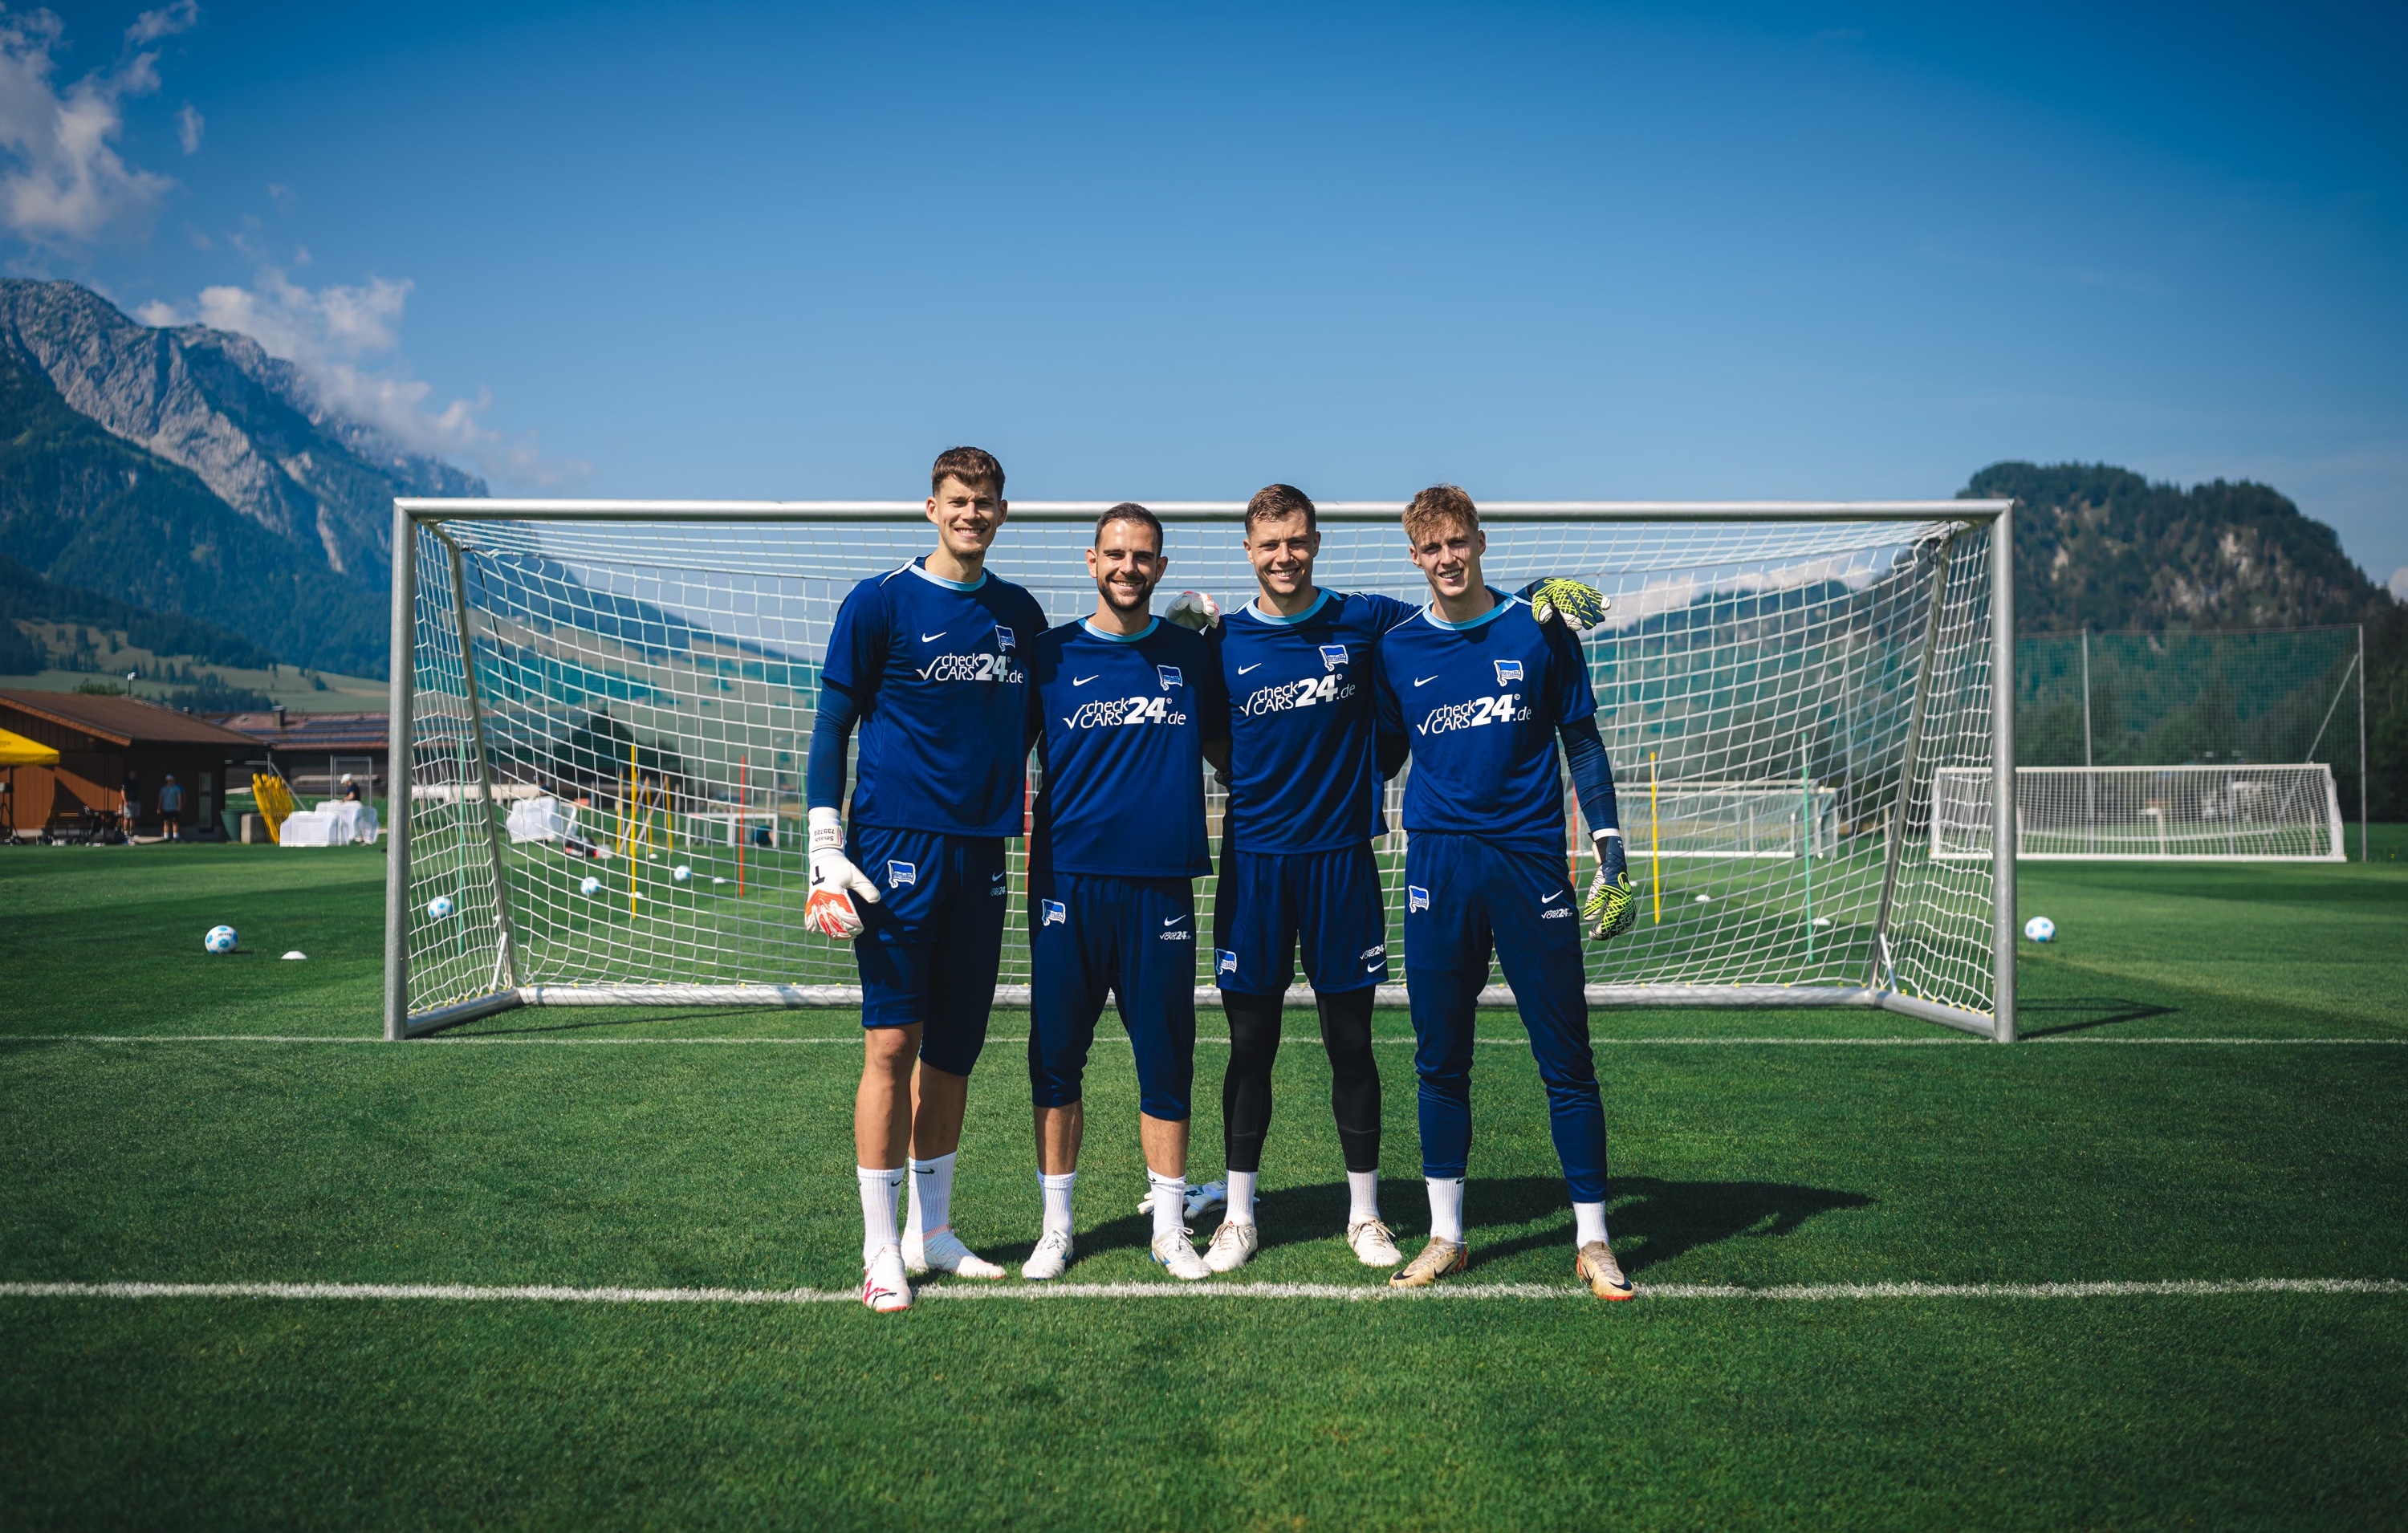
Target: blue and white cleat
1177,1254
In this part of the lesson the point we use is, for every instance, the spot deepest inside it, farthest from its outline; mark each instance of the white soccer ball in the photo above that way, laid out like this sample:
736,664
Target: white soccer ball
220,940
1705,899
681,872
589,886
440,908
2039,928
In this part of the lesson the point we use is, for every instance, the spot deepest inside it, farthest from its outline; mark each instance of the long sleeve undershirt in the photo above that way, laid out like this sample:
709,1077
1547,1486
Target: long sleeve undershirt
1592,774
831,729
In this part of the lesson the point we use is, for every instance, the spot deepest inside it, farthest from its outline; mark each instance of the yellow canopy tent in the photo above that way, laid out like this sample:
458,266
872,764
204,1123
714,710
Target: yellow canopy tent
17,750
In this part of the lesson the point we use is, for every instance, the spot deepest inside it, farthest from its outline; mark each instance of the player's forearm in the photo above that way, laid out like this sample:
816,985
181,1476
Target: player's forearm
1389,749
1592,775
831,729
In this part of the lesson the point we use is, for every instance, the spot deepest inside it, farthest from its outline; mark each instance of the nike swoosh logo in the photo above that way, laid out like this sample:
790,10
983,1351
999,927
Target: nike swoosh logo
1172,919
1084,680
1425,680
1373,968
1550,899
1255,666
931,639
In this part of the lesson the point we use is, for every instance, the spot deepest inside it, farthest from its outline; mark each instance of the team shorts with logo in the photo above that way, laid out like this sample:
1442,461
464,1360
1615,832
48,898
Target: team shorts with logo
1135,937
930,946
1269,903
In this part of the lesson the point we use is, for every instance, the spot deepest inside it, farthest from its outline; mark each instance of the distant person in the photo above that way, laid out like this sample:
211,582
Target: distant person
350,789
129,806
171,808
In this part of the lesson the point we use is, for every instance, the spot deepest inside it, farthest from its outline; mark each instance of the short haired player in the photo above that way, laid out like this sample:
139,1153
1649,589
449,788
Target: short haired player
1296,859
1125,708
1482,689
929,660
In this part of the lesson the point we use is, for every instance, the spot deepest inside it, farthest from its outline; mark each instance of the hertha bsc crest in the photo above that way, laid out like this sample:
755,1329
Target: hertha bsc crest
1003,638
1508,670
900,873
1169,677
1332,657
1055,915
1416,899
1224,961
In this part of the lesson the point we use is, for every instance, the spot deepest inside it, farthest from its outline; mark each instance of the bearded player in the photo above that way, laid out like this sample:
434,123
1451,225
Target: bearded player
1125,708
927,660
1482,688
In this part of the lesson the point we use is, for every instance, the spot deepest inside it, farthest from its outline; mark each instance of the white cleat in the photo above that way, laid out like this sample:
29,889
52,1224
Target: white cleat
1233,1244
1177,1254
944,1252
883,1286
1374,1245
1051,1259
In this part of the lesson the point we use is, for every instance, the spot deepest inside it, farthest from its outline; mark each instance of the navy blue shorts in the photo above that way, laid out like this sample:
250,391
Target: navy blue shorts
1136,938
929,948
1328,902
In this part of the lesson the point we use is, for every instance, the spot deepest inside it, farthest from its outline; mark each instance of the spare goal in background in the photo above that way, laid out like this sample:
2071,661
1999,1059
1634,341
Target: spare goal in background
601,712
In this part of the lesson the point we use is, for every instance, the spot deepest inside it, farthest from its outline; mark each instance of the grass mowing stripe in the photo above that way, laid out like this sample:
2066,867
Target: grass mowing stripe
1811,1292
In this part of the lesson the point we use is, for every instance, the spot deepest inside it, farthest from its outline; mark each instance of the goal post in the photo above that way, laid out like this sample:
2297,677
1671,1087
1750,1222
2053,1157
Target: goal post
2280,813
601,712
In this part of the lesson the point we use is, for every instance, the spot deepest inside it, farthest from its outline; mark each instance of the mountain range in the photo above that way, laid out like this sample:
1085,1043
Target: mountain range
186,471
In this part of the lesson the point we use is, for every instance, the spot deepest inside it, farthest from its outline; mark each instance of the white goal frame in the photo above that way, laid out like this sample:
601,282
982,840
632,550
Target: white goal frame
508,987
2218,838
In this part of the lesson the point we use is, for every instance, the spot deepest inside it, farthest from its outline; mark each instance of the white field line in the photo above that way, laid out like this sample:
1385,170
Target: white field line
1811,1293
1937,1042
456,1041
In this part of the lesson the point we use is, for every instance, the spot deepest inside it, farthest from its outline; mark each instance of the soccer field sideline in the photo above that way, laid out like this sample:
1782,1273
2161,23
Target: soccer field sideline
1811,1293
1483,1042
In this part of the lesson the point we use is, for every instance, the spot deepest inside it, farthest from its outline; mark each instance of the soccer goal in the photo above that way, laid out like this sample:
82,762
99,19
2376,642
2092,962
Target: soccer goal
2200,813
601,712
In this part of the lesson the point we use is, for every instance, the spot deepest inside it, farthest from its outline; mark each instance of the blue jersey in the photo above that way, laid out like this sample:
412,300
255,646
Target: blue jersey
1302,776
936,670
1479,705
1120,725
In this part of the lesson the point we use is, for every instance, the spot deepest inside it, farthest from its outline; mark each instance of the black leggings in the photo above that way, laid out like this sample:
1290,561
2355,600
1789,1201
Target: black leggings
1354,1077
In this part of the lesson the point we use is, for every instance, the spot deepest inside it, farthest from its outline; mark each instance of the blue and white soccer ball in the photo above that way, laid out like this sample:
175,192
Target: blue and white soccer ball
2039,928
440,908
681,872
220,940
589,886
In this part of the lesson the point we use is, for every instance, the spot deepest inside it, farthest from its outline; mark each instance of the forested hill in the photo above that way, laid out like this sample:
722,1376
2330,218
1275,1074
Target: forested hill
2102,547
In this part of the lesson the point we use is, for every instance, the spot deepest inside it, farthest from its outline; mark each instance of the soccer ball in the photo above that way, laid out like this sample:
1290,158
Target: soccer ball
2039,928
441,906
221,939
589,886
681,872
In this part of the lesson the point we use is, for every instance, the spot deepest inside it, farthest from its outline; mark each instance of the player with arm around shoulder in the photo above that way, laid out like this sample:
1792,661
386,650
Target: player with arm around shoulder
929,660
1125,710
1481,689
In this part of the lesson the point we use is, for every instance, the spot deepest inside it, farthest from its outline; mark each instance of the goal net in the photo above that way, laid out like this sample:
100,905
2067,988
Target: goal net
602,711
2276,813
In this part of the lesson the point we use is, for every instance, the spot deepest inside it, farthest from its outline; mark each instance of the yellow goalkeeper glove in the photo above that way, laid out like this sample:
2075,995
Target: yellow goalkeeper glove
1612,902
1580,605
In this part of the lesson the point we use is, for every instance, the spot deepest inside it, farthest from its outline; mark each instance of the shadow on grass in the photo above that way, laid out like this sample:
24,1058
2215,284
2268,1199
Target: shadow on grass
588,1024
1652,1220
2089,1010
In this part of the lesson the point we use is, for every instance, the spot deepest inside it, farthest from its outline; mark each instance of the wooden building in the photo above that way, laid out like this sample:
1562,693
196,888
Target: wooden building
313,750
105,743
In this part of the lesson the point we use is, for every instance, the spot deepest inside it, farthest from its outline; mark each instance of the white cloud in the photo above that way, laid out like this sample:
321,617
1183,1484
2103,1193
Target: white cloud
2400,583
347,341
166,22
65,183
189,123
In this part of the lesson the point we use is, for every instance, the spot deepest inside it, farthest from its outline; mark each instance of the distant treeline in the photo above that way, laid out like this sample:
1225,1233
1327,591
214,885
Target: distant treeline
25,595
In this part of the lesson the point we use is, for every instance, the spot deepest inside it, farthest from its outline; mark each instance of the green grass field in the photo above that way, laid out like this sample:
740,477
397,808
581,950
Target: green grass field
1752,1149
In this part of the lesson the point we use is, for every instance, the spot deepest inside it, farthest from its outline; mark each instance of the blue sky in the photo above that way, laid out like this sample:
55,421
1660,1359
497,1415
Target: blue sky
1761,251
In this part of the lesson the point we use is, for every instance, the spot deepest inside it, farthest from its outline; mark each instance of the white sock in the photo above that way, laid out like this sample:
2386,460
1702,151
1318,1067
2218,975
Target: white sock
1055,1190
1588,1222
1446,1208
880,1189
931,1205
1362,1197
1241,1195
1170,1203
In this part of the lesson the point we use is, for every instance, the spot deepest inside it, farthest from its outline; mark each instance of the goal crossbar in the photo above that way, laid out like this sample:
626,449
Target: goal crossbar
1871,838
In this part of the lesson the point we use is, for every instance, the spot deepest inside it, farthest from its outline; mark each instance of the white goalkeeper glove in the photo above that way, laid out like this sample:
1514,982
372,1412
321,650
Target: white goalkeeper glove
1580,605
1193,609
835,881
1613,900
